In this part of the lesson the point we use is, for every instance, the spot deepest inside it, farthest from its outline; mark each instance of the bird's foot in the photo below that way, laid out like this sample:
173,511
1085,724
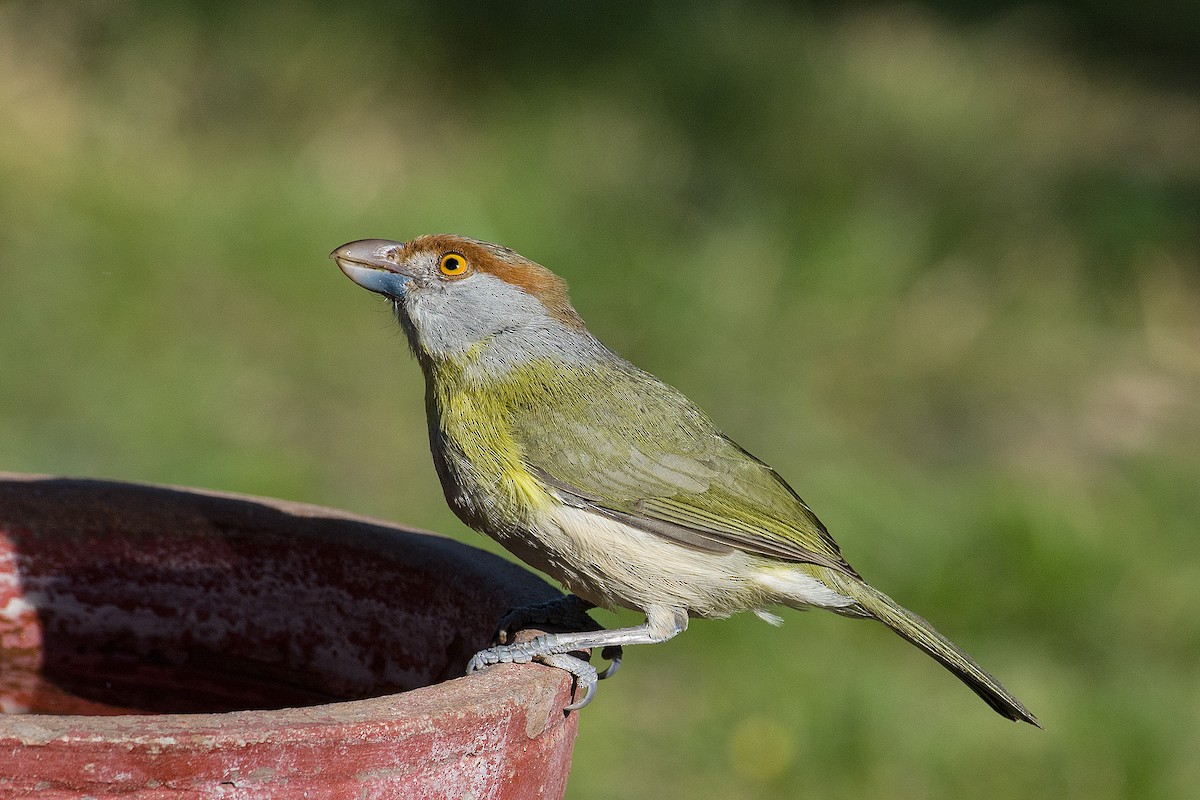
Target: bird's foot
568,613
546,649
662,623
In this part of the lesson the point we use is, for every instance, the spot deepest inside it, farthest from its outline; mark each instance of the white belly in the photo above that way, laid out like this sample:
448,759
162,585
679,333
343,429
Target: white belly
612,564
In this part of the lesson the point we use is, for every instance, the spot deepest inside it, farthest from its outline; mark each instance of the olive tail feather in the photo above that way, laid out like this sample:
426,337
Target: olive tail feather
920,633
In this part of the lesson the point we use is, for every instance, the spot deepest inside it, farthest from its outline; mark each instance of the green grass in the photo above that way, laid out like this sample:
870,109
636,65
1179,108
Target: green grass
942,275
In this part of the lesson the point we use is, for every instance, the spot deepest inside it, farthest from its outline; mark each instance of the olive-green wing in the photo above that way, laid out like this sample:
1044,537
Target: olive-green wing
632,448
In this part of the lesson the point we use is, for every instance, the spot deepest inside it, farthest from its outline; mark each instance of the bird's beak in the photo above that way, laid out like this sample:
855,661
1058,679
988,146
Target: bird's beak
372,264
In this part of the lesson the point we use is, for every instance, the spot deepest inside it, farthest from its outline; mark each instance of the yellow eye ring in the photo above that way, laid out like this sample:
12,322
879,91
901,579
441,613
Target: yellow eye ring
453,264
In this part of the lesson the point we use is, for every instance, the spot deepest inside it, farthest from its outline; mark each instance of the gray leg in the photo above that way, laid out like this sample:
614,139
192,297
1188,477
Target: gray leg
662,623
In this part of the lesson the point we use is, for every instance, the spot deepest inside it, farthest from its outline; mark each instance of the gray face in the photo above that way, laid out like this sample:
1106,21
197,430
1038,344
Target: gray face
452,317
448,318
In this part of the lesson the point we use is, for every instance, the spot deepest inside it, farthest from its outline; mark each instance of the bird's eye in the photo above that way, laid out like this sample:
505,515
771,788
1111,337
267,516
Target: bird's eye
453,264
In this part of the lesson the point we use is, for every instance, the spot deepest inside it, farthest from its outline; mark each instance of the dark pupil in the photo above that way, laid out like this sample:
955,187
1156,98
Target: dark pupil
451,264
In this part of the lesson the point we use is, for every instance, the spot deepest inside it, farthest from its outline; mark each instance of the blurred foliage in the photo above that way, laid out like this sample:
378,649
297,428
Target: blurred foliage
938,264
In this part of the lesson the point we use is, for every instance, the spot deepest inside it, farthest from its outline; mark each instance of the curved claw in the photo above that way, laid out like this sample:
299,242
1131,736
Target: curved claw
512,621
585,676
614,655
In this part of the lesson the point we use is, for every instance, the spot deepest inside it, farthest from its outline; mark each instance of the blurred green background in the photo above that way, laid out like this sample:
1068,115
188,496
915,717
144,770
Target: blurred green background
939,264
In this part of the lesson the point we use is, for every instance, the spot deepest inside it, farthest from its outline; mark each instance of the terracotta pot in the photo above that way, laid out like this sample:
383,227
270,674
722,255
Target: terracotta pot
176,643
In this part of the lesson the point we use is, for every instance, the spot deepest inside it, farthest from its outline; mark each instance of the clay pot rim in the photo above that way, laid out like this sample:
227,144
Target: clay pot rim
544,691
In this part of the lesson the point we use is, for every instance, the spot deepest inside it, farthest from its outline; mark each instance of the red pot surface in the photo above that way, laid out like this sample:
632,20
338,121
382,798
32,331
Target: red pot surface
161,642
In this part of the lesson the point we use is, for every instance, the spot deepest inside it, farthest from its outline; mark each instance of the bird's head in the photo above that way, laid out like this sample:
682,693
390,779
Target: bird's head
451,292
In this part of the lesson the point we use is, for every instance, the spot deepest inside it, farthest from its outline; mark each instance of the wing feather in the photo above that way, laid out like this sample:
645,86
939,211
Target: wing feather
604,443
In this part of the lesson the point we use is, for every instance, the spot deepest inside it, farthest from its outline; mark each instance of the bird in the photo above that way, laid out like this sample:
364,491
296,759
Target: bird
601,475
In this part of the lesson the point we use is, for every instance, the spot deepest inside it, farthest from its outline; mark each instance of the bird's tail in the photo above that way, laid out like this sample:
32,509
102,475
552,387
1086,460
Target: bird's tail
916,630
